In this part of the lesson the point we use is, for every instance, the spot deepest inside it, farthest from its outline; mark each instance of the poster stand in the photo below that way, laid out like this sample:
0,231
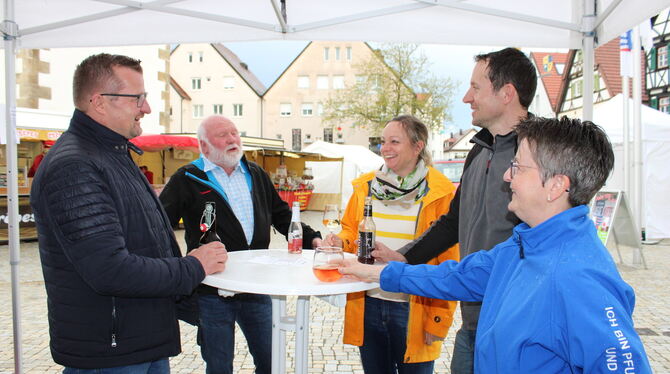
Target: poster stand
613,218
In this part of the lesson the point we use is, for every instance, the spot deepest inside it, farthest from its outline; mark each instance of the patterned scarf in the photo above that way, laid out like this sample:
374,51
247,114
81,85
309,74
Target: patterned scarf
393,189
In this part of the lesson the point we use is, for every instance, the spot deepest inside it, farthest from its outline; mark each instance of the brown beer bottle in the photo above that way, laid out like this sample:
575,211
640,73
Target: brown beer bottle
366,234
208,224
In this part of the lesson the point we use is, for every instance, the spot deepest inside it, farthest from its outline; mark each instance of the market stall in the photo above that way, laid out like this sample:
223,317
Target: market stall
164,154
33,144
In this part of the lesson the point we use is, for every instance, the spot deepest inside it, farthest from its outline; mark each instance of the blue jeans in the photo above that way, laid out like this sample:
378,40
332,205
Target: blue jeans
462,362
161,366
385,339
253,313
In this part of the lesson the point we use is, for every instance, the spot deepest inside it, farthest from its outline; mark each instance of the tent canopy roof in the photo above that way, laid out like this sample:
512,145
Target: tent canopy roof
523,23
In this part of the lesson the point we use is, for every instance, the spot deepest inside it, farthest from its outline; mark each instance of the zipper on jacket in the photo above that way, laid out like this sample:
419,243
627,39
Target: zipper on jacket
113,322
488,162
521,254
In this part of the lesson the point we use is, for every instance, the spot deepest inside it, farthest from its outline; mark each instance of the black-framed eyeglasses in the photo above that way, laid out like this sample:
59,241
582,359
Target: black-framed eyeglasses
514,168
141,98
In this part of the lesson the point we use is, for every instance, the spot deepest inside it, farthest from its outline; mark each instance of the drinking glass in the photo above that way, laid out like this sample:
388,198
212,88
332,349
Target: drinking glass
331,217
326,261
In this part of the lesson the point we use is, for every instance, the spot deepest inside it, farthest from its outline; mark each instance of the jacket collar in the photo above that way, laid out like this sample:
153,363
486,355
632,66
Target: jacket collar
562,225
484,137
84,126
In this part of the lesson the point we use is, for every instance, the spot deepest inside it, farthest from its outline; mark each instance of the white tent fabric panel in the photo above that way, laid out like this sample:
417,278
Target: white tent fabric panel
78,23
655,151
527,23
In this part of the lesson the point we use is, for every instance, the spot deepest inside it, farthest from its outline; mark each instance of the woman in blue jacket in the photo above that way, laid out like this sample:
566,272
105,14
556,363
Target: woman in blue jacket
553,300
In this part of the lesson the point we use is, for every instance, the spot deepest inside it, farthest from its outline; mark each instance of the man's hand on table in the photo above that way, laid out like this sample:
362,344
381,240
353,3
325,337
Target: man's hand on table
212,257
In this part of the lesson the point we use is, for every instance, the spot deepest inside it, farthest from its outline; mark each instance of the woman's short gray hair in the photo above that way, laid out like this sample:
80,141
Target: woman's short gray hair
579,150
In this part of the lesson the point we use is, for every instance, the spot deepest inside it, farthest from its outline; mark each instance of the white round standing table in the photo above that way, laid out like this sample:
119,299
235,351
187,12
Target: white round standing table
277,273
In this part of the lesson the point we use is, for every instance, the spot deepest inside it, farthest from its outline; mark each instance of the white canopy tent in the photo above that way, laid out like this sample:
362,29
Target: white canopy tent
523,23
655,149
357,160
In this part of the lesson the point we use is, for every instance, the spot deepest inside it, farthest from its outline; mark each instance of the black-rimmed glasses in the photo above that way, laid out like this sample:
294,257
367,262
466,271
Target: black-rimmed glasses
141,98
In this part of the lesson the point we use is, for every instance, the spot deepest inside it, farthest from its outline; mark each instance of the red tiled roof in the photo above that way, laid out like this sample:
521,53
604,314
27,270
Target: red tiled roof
607,62
551,78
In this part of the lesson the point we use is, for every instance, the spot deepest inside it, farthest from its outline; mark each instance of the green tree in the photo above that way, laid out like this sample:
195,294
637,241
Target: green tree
395,80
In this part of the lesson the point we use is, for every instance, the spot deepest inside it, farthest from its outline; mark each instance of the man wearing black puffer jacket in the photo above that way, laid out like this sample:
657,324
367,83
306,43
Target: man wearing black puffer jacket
112,267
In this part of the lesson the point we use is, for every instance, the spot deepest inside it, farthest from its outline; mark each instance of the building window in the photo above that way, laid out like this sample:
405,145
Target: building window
337,53
237,110
200,56
576,88
285,110
338,82
662,57
349,53
190,57
307,109
218,109
322,82
228,83
303,81
328,134
596,82
196,83
664,104
296,139
198,111
326,53
319,109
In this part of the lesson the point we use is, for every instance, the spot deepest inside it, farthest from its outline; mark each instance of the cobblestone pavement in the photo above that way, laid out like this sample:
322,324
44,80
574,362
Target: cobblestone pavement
327,353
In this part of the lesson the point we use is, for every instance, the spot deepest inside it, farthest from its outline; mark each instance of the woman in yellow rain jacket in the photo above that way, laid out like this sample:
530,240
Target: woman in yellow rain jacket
398,332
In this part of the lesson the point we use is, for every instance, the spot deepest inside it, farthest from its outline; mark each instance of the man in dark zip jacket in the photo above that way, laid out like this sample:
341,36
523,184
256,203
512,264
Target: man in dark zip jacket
247,205
501,89
112,267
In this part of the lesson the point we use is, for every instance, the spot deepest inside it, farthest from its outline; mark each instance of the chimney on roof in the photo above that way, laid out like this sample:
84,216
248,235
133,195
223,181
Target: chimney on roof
451,135
460,131
244,65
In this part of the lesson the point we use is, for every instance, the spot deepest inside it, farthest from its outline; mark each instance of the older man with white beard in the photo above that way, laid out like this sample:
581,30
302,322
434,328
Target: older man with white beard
247,204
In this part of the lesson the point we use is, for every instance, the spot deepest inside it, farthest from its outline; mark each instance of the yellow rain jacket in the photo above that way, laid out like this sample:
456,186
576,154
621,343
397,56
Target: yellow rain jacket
430,315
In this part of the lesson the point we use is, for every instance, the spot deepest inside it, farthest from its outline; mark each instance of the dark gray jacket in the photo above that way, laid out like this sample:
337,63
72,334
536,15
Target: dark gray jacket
484,220
110,261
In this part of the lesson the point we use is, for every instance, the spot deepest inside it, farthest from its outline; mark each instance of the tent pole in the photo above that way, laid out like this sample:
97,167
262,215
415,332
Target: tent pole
625,88
588,32
10,33
637,138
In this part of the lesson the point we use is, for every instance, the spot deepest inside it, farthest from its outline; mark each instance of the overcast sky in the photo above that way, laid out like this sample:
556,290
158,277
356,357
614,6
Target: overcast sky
454,62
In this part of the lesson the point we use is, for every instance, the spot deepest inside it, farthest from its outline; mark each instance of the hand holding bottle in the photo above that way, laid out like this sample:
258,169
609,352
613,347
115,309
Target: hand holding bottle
212,257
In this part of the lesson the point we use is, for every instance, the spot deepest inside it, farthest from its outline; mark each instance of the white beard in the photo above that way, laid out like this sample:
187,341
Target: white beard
222,157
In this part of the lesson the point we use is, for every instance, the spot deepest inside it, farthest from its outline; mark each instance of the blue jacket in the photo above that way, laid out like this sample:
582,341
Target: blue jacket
553,300
112,267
